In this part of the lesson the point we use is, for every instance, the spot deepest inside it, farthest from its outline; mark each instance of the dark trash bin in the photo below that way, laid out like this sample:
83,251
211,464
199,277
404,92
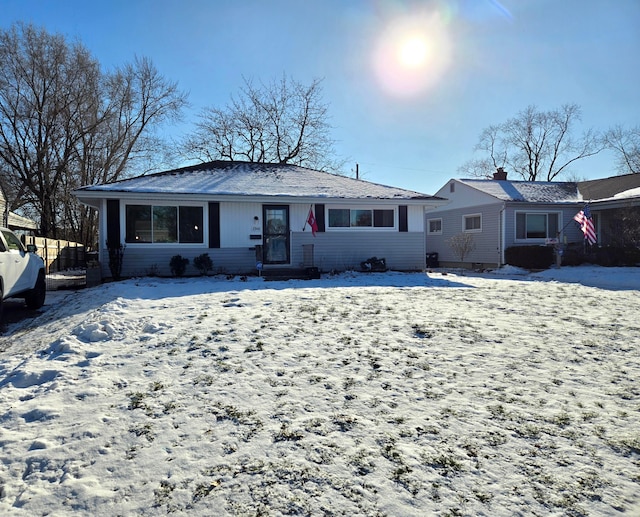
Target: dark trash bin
432,260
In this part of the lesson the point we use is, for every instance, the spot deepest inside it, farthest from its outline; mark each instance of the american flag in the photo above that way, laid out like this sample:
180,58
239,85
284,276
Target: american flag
583,217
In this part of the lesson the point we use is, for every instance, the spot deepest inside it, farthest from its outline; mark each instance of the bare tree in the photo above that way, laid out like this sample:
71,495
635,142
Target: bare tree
43,81
626,144
462,244
536,145
64,123
118,137
281,122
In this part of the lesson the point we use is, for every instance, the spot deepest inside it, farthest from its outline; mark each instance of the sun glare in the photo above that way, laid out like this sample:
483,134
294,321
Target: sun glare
412,54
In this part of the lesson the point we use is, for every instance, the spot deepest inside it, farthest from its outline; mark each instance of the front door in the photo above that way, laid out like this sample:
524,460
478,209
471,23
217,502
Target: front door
276,234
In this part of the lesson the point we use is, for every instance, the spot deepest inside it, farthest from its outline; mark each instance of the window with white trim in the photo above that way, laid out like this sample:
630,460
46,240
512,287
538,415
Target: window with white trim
434,226
472,223
361,218
166,224
537,225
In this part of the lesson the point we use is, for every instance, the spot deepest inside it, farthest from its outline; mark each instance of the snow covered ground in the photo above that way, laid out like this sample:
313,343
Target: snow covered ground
382,394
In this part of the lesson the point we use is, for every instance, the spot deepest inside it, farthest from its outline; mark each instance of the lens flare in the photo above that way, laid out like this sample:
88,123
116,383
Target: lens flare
412,54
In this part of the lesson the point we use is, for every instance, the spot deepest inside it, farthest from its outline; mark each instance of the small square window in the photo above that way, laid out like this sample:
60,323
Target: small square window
434,226
472,223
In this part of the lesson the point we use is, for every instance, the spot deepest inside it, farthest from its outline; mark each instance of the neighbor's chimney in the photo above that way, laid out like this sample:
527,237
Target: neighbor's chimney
500,174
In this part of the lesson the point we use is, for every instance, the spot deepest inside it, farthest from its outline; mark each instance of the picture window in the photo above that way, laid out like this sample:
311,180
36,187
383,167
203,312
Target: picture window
361,218
164,224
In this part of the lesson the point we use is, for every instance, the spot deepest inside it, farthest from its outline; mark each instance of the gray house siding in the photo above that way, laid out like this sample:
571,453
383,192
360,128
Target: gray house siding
498,231
155,261
403,251
570,231
486,240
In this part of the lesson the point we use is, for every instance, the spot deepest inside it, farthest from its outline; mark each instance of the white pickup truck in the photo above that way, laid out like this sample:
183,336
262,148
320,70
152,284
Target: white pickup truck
21,272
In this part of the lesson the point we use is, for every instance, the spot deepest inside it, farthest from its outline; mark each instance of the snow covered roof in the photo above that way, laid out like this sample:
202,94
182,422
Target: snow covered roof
20,222
223,178
627,194
527,191
606,188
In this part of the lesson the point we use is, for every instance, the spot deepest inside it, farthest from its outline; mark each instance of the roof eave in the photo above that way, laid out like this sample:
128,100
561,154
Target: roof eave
87,196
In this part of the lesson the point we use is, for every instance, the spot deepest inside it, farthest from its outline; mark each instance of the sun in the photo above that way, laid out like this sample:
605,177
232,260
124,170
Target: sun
412,54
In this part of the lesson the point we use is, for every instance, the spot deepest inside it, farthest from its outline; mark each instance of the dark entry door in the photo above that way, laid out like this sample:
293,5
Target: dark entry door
276,234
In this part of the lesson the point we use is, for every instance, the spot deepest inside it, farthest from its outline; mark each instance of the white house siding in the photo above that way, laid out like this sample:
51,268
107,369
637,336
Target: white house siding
237,224
3,211
415,215
486,241
237,221
462,196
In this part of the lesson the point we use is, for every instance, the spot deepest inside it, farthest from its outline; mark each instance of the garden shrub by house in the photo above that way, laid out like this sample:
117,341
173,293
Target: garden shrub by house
529,257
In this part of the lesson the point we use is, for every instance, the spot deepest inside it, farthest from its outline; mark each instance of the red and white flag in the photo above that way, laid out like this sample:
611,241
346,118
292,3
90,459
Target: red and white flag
583,217
311,221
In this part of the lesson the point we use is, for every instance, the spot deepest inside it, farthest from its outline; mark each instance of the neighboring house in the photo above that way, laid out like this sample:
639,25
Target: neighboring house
243,214
616,204
14,221
499,213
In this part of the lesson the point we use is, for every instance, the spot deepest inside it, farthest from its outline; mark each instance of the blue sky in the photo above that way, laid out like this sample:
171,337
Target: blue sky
408,119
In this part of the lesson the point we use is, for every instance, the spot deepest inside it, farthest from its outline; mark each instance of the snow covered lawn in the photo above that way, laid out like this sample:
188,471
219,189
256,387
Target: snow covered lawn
382,394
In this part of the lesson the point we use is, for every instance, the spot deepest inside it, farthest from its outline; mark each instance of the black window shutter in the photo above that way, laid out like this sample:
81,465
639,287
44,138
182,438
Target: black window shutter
319,213
403,222
214,225
113,223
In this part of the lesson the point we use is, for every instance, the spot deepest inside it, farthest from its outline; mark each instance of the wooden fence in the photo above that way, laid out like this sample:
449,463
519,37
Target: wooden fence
58,255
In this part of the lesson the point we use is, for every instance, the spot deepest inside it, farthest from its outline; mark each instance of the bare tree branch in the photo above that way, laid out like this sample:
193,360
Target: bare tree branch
64,123
280,122
626,144
536,145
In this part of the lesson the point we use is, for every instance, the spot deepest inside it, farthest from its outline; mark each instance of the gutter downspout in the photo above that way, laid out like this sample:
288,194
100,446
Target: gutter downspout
502,234
425,210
